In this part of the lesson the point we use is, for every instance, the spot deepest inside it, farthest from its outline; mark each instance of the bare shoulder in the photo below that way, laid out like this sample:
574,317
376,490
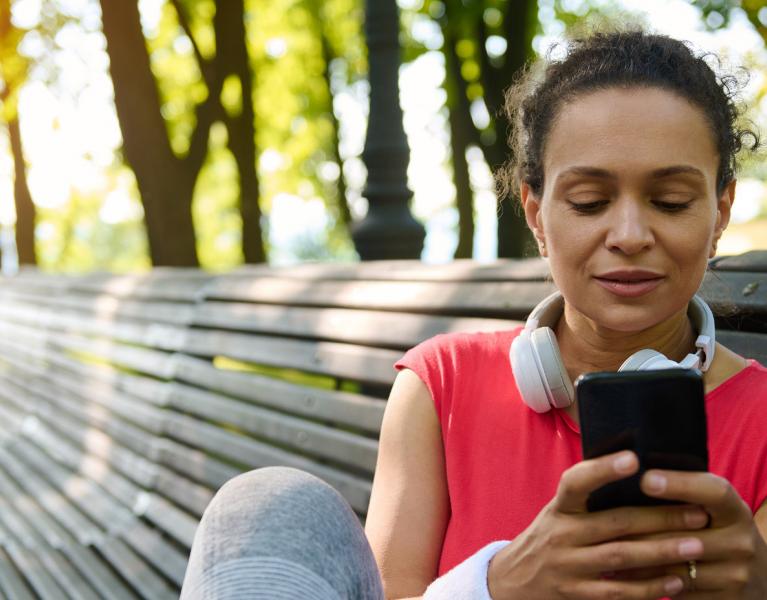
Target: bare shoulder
409,503
726,364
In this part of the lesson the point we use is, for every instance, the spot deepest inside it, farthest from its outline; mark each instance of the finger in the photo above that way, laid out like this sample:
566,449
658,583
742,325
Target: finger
628,521
715,494
649,589
581,479
628,555
728,544
729,576
639,574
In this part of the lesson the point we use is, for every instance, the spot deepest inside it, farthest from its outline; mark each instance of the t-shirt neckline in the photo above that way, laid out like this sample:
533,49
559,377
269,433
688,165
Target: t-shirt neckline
752,365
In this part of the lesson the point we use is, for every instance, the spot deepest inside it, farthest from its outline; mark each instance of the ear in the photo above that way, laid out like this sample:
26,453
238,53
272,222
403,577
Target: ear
531,204
723,211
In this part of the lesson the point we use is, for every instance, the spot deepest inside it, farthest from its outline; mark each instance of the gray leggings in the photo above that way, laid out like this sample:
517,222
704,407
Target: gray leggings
280,534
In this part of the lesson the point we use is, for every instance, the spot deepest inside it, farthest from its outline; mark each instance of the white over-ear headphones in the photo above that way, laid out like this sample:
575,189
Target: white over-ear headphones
541,375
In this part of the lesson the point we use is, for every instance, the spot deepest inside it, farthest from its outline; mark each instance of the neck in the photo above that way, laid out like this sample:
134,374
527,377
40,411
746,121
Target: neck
586,347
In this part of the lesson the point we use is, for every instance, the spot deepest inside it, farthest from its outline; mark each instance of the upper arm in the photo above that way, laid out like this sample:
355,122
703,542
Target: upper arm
409,503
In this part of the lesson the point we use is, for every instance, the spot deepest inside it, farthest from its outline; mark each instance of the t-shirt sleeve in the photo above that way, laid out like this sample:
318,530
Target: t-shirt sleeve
738,433
430,360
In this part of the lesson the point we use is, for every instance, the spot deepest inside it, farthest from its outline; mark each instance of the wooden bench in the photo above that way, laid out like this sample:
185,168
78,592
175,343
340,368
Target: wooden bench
126,401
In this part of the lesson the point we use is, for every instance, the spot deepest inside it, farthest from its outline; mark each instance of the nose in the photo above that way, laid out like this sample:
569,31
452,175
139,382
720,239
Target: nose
630,230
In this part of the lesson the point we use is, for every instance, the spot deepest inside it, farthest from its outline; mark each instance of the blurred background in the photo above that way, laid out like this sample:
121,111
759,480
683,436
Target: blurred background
217,133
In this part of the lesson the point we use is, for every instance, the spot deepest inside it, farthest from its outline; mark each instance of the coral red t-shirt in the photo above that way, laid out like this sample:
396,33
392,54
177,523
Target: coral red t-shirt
504,461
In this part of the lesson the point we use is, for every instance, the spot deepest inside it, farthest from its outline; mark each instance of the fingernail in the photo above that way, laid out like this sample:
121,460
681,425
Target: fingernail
695,518
674,585
690,548
656,483
624,463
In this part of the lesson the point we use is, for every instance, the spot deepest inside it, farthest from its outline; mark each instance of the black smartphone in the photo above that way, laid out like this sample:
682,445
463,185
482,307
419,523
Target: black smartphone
660,415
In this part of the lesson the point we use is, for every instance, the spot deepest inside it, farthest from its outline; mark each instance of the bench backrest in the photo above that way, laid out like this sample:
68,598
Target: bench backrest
130,399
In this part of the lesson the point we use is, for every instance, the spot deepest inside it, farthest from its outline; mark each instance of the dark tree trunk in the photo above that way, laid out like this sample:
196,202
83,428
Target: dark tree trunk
519,25
25,208
461,128
513,235
166,182
232,52
327,56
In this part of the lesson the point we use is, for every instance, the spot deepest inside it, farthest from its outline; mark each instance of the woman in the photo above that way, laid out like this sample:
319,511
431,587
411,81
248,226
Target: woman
624,157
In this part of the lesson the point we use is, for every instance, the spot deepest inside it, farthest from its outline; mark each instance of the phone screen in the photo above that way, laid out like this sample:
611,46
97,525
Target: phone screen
660,415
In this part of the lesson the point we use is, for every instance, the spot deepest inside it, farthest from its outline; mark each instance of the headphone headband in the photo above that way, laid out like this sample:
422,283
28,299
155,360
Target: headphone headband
549,310
541,375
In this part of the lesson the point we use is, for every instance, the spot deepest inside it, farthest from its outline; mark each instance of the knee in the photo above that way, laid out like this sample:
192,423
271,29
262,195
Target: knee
277,497
276,484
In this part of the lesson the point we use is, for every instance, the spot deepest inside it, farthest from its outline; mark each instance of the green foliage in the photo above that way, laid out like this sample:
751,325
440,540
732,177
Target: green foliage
291,98
717,13
13,66
78,236
217,219
178,76
580,17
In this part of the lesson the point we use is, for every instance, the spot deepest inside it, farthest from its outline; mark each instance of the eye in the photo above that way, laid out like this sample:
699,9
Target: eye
587,208
672,206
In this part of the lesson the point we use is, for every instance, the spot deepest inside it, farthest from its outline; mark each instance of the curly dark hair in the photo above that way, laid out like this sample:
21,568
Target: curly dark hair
619,59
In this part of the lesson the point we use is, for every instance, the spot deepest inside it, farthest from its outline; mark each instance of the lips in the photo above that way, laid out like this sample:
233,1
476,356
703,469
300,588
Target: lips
629,283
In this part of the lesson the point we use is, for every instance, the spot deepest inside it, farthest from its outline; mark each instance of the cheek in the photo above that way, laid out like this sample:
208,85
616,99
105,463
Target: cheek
570,239
691,242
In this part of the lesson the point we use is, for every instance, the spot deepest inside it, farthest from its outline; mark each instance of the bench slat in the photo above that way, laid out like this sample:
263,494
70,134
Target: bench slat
65,575
357,410
12,584
92,568
345,361
371,328
505,299
252,454
147,582
153,335
311,438
114,519
54,502
105,307
528,269
187,494
36,574
142,503
98,574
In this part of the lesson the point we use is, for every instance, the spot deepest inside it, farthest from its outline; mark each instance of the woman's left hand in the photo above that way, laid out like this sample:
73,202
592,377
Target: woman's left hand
733,563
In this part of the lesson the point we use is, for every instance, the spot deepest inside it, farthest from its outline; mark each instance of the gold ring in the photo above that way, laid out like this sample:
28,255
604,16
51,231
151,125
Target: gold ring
692,571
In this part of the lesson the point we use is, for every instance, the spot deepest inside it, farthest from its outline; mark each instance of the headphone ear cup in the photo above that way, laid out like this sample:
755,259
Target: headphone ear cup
528,377
558,386
648,360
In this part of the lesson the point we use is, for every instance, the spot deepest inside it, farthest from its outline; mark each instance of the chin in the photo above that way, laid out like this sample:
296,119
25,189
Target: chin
630,319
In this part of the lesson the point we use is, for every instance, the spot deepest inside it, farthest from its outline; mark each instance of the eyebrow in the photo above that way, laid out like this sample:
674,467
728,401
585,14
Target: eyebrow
656,174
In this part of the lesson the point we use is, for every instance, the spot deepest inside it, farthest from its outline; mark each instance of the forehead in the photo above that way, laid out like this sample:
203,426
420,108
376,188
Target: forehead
630,131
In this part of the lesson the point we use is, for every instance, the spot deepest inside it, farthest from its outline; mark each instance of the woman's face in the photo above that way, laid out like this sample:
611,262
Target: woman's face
629,212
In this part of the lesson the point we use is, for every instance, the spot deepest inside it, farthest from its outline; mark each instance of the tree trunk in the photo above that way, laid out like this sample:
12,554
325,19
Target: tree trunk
232,52
519,20
327,56
25,208
461,128
514,237
166,183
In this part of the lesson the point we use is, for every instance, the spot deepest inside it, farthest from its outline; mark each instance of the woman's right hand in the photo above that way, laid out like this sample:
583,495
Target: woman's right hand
566,551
